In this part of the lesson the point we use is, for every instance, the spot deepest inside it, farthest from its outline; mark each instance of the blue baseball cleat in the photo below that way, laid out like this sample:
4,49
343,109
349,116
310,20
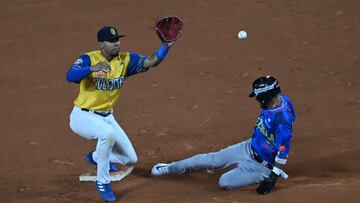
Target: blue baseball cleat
89,159
105,191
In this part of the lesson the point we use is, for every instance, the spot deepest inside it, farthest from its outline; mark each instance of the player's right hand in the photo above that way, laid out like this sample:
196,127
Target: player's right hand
268,184
102,66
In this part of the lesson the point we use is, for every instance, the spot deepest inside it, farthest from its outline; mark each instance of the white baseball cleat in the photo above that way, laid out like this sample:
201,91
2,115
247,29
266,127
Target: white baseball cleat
160,169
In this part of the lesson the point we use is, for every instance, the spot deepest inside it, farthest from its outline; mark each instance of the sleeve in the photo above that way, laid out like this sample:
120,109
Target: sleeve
283,134
293,113
291,108
79,70
136,64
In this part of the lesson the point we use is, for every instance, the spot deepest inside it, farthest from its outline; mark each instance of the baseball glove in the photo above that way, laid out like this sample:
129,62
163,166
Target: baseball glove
169,28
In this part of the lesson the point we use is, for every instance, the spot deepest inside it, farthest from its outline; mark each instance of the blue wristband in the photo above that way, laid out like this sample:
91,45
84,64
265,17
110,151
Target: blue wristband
162,51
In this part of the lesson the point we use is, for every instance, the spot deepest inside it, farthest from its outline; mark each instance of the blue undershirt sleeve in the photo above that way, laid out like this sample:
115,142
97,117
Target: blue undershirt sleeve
283,133
283,136
136,64
79,70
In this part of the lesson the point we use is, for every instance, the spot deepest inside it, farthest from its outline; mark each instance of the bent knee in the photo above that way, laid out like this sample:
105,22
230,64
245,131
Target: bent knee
226,184
223,184
108,136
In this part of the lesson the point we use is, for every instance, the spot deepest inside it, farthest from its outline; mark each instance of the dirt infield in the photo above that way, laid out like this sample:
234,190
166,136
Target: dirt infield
195,101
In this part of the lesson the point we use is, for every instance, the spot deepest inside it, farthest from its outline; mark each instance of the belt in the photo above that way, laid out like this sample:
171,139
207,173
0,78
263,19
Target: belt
103,114
261,161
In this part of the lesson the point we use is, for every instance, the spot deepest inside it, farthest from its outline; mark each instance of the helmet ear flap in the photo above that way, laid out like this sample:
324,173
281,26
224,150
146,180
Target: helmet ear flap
265,97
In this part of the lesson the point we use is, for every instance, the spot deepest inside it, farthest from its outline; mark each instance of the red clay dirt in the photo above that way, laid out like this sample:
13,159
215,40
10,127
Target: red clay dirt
195,101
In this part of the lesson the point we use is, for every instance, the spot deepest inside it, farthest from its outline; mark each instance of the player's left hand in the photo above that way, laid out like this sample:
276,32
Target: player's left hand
268,184
169,29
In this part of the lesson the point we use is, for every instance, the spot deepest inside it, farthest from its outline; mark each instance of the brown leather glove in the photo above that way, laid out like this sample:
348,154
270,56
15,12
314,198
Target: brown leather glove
169,28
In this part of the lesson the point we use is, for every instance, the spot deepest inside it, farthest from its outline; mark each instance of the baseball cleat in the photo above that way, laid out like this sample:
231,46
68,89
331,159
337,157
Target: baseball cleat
89,159
160,169
105,191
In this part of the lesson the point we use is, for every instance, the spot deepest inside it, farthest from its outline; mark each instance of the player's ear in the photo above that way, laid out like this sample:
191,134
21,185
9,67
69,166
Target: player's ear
101,44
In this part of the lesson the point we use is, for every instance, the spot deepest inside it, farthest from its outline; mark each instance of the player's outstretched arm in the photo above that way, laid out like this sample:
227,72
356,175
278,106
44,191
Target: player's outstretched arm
158,56
168,29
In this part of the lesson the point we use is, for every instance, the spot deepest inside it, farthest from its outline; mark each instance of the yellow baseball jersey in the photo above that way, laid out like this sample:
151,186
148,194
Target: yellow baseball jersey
99,92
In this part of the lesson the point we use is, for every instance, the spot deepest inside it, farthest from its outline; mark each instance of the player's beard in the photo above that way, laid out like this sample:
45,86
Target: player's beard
115,53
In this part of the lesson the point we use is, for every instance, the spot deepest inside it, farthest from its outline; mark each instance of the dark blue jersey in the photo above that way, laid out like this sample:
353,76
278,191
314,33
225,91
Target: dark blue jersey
273,131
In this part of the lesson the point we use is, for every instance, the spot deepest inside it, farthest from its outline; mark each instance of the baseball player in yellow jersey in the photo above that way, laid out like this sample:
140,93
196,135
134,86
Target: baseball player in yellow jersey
101,75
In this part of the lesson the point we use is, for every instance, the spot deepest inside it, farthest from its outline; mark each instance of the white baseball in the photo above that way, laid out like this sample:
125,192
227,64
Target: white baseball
242,34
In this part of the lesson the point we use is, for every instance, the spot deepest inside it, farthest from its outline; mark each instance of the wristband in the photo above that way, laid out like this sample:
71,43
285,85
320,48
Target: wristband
162,51
276,170
280,160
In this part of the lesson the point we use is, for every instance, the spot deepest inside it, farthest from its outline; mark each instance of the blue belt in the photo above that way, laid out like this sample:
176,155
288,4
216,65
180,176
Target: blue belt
103,114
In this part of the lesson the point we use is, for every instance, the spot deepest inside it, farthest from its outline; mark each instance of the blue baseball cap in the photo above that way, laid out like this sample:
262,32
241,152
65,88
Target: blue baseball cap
109,34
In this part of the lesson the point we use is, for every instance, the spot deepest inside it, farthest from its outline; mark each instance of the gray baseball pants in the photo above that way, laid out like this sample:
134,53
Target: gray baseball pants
246,170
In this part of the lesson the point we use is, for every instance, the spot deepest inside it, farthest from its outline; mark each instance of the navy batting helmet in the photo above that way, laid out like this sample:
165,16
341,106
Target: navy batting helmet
265,88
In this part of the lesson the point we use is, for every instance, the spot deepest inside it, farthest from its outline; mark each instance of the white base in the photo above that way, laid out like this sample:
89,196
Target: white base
114,176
